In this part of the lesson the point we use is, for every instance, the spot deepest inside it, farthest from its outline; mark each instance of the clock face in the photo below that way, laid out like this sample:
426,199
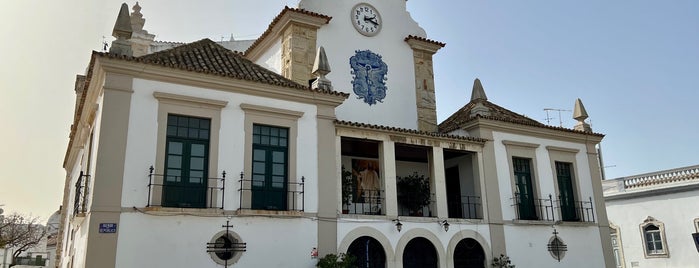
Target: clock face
366,19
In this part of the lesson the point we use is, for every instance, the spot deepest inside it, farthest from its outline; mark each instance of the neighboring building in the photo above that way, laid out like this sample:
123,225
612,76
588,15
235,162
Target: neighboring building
41,255
653,217
191,155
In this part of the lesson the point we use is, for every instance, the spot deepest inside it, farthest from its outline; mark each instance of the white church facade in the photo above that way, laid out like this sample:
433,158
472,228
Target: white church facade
320,137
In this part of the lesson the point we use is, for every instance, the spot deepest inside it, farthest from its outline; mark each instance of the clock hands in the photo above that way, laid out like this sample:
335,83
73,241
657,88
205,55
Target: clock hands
372,20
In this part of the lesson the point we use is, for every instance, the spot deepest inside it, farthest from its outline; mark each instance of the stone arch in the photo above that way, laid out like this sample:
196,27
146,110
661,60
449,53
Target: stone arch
461,235
424,233
373,233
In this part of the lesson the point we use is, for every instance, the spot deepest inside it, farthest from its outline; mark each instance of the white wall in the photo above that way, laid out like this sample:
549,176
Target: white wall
180,241
676,211
340,40
272,58
142,141
527,246
543,177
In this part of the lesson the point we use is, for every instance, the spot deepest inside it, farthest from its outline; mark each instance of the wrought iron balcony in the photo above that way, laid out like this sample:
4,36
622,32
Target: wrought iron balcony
411,209
271,195
529,208
81,192
185,192
469,207
370,202
577,211
30,261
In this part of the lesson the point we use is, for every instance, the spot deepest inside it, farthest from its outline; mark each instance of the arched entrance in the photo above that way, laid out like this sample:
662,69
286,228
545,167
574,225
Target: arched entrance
369,252
469,254
420,253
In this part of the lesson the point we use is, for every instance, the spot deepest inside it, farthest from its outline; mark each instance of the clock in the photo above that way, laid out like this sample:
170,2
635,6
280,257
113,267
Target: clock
366,19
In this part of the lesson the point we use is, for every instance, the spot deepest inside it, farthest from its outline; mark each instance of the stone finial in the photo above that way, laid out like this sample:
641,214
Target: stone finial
477,96
122,32
122,26
137,20
478,92
580,115
321,67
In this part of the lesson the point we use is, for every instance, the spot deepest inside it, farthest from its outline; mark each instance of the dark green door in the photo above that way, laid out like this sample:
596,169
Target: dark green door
269,167
186,162
565,188
525,189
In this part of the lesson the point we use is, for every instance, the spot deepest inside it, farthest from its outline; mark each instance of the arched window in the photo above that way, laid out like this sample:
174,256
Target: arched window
653,233
420,253
368,251
469,254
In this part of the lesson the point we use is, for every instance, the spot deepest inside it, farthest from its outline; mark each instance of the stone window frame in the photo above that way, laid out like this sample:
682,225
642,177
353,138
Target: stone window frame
169,103
616,231
522,150
650,221
565,155
232,236
265,115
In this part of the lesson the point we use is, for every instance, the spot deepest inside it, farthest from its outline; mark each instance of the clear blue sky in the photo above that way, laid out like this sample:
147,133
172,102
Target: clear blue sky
634,63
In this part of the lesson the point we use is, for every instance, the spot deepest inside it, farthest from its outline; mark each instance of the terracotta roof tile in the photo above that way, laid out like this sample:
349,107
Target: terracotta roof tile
208,57
497,113
278,17
424,40
410,131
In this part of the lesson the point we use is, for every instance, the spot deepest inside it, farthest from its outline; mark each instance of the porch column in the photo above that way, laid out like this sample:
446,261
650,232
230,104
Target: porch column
388,159
438,182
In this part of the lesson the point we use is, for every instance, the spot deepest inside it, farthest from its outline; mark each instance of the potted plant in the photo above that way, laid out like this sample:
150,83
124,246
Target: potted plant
346,189
503,262
414,192
337,261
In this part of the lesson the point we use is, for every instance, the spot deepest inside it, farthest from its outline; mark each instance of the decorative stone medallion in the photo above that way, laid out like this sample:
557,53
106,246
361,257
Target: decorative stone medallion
368,76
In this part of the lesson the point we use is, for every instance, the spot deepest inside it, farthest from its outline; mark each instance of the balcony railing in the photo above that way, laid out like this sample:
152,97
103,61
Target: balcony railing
30,261
179,192
81,191
582,211
468,208
529,208
369,203
422,211
266,195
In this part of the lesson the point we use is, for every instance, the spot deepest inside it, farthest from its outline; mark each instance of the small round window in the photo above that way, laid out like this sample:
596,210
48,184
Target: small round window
225,248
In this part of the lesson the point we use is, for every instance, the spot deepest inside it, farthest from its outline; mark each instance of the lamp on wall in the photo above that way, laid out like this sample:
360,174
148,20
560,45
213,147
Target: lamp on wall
399,226
445,224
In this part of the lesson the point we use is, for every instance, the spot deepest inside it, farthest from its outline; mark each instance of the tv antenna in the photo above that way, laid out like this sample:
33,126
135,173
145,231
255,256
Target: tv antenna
560,119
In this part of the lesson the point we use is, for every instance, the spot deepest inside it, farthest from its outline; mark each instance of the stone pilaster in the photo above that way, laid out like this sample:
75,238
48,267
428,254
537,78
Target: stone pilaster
423,49
298,52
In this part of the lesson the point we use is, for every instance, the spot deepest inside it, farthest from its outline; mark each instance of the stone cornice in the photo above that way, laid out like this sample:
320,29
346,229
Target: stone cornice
169,75
413,137
287,17
423,44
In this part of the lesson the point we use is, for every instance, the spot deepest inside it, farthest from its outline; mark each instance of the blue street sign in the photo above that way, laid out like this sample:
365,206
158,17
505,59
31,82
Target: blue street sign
108,228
